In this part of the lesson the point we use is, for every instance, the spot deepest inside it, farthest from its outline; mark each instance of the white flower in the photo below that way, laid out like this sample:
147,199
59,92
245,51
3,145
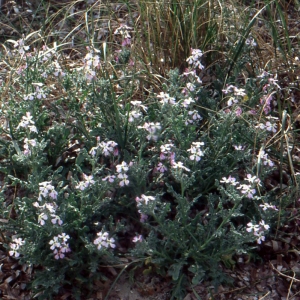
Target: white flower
46,189
232,101
180,165
138,238
166,148
266,206
191,87
27,122
123,30
161,168
123,167
253,227
230,180
238,147
41,218
144,199
196,152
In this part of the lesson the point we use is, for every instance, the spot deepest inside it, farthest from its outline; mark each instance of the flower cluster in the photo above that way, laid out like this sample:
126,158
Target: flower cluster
264,157
87,181
143,200
250,42
22,48
47,190
58,72
258,230
268,126
193,117
47,210
60,246
195,151
194,59
137,111
237,94
152,129
187,102
166,99
123,30
103,240
27,122
246,189
38,94
267,101
27,145
15,246
166,153
91,63
122,169
107,148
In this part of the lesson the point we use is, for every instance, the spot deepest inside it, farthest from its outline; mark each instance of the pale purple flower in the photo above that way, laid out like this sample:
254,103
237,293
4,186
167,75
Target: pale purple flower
194,117
15,246
143,218
55,243
264,225
124,179
252,179
266,160
103,241
194,59
271,127
110,178
260,237
161,168
250,42
56,219
134,114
